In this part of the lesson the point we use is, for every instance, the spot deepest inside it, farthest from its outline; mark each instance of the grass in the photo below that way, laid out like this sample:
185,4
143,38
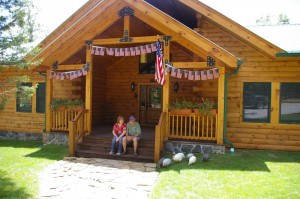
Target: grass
245,174
20,163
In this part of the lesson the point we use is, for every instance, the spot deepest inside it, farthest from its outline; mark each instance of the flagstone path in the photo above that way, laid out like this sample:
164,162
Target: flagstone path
97,178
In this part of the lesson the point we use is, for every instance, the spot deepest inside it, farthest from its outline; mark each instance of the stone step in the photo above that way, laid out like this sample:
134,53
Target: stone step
107,140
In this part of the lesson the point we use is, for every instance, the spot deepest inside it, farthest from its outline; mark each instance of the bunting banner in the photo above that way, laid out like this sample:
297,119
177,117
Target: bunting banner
70,75
193,75
129,51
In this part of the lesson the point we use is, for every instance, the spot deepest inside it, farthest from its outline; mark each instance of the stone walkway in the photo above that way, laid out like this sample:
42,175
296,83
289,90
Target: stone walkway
97,178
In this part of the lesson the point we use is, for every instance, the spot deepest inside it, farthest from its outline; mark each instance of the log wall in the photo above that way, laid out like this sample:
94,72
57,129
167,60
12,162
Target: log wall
256,68
10,120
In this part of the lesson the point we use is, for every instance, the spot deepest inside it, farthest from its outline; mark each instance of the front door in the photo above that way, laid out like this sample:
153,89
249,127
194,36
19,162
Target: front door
150,103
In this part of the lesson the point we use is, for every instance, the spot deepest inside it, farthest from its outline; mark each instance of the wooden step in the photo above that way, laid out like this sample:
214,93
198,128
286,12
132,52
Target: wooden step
107,147
101,154
105,140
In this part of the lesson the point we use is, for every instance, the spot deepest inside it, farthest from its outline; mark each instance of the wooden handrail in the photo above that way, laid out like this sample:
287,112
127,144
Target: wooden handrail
60,117
160,133
77,129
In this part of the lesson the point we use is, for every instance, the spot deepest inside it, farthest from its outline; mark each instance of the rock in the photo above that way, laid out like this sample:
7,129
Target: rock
186,148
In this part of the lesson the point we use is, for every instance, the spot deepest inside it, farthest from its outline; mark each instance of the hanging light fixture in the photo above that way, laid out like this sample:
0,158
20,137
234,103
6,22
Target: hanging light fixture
176,87
132,86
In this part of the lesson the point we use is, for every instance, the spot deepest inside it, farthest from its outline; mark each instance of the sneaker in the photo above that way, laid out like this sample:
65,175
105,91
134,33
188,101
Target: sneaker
118,153
124,152
135,154
111,153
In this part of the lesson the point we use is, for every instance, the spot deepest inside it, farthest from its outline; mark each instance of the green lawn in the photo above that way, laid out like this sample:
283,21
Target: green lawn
20,163
245,174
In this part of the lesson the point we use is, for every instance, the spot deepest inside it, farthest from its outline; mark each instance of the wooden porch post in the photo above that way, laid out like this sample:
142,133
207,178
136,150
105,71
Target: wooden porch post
166,90
221,88
88,88
49,96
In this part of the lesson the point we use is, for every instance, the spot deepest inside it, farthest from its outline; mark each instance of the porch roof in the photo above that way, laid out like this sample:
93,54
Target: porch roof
68,39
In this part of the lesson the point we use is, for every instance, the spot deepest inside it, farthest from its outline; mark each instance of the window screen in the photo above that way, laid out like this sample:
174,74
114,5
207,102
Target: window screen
290,103
40,98
256,106
24,107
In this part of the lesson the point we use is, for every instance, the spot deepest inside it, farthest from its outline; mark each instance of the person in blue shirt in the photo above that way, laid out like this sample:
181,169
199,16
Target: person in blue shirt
133,133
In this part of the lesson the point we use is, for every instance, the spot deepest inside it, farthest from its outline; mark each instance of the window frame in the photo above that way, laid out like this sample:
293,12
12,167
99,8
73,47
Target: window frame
280,98
246,120
36,98
18,107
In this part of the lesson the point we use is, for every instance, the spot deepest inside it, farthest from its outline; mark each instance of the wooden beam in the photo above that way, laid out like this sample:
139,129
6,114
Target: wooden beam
193,65
126,25
70,67
185,32
221,88
88,89
72,40
49,96
146,39
275,102
233,27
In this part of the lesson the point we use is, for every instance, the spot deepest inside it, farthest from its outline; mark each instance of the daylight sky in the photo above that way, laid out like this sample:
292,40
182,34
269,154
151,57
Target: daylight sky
54,12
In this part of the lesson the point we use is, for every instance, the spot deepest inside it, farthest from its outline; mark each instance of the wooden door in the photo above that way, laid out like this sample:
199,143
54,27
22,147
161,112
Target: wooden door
150,103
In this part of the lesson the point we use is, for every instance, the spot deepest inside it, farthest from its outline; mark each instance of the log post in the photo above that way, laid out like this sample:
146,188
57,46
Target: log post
88,88
221,88
49,96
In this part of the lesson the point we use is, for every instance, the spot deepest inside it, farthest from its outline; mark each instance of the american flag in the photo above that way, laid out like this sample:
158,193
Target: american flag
52,74
137,50
127,51
132,51
174,72
185,73
93,50
197,75
79,72
148,48
57,75
102,51
143,50
122,52
153,47
216,73
117,52
159,68
191,75
210,74
203,75
179,73
97,51
62,77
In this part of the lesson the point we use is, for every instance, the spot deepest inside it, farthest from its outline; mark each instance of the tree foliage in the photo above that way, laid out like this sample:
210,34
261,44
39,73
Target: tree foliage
17,33
272,20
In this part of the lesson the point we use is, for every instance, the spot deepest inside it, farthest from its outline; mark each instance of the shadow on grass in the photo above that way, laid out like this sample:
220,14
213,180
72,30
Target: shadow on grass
242,160
51,152
8,188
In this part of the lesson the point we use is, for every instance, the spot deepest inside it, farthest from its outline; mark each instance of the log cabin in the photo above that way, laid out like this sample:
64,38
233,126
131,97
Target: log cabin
256,88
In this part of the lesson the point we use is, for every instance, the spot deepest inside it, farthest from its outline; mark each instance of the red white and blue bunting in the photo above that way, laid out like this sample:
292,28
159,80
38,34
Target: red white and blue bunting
129,51
193,75
70,75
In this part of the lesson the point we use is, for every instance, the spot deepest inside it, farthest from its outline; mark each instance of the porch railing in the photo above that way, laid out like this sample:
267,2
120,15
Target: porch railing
60,118
77,129
160,135
192,126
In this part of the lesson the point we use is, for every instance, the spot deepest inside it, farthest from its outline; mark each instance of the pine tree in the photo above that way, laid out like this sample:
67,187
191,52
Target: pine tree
17,28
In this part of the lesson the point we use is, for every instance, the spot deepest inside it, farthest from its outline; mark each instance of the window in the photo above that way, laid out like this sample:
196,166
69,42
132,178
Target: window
256,105
290,103
40,98
24,106
149,66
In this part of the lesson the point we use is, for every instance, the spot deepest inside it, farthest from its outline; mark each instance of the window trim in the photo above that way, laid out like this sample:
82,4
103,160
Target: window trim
18,107
264,121
280,120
